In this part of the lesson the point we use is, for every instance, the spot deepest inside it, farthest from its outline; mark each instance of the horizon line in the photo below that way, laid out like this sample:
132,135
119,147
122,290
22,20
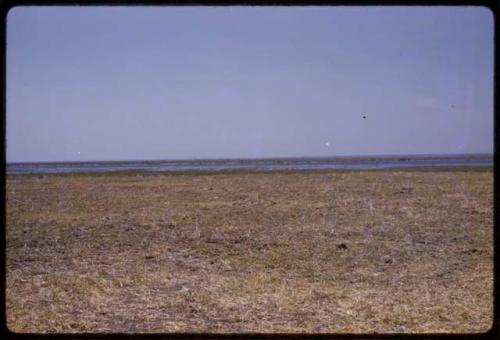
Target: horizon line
406,156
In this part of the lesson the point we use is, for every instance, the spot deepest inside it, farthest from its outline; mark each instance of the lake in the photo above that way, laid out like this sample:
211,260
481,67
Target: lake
343,163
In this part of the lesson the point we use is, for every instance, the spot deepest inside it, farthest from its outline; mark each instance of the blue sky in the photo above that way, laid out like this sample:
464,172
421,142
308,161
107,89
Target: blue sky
114,83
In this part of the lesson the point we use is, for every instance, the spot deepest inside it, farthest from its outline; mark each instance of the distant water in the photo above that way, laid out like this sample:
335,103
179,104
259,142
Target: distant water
218,165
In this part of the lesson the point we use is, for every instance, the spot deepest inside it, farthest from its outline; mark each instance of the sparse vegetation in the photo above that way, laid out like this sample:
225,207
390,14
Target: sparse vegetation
332,251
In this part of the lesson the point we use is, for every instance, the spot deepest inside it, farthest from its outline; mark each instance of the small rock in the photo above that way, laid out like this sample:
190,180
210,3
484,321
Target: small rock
218,234
404,190
385,226
216,237
470,251
367,232
342,246
318,326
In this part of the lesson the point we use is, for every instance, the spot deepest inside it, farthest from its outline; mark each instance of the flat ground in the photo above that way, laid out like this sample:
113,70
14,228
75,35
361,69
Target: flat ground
360,251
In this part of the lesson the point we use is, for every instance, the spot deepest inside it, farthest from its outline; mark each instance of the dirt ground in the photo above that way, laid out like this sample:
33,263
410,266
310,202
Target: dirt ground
282,252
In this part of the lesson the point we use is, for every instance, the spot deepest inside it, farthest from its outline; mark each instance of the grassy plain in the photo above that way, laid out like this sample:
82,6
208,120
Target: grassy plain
325,251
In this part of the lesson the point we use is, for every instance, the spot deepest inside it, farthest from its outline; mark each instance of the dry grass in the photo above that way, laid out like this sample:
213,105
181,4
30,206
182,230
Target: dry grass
363,252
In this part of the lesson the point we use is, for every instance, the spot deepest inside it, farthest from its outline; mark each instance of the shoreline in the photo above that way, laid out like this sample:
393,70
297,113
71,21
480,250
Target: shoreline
446,168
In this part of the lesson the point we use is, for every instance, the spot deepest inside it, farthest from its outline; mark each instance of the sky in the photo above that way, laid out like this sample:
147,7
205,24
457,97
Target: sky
136,83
